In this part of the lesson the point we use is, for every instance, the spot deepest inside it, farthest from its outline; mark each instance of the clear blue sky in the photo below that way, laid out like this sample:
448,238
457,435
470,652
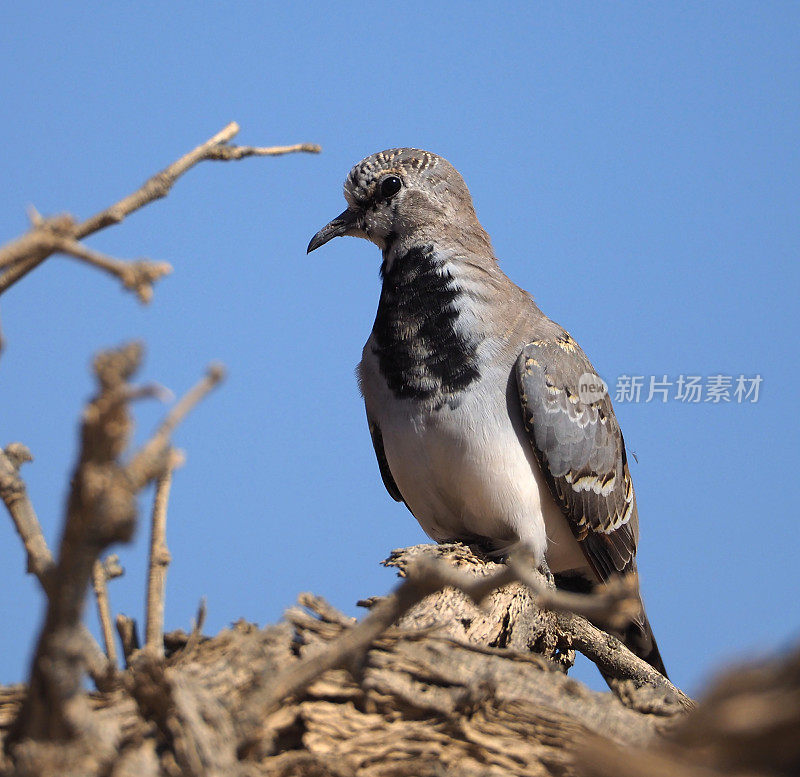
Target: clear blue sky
635,163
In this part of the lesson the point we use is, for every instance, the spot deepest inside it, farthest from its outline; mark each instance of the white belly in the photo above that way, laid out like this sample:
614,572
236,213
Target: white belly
467,473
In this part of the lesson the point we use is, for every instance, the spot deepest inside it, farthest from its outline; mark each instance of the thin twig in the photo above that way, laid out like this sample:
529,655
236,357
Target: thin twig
225,153
151,458
200,618
159,559
128,636
614,604
148,391
102,572
137,276
15,495
197,626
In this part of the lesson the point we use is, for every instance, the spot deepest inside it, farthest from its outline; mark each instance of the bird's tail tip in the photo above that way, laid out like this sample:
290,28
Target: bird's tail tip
639,638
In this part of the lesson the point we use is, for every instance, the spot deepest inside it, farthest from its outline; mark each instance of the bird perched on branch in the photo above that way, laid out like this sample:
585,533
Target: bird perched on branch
488,420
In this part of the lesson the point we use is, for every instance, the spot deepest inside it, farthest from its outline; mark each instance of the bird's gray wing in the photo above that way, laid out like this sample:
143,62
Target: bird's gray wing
383,465
580,448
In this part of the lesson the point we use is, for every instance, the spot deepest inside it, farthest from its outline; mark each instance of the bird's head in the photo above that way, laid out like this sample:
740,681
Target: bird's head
402,193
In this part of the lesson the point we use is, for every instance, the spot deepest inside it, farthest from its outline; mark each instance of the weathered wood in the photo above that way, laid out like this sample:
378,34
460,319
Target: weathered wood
452,689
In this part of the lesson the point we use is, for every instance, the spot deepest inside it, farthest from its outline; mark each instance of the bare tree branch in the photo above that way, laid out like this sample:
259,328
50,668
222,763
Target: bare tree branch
15,495
152,458
614,659
137,276
40,561
128,637
225,153
199,622
613,603
102,572
159,559
101,510
59,233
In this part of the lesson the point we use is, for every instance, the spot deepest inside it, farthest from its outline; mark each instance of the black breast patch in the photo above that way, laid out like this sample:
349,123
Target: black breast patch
420,353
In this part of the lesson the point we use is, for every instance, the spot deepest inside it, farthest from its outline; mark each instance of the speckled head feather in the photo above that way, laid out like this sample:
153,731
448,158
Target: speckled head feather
431,195
407,163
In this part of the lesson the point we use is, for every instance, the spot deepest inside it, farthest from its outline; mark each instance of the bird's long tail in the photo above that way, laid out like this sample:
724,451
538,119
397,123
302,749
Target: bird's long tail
637,636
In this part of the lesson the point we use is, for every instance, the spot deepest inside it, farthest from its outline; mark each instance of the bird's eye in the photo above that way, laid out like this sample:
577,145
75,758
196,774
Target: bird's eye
390,186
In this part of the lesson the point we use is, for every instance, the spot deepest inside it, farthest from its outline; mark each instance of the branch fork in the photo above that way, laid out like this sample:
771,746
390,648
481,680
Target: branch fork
63,233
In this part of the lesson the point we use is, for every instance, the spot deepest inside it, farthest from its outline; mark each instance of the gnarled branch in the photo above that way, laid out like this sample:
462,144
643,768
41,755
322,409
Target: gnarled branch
62,234
425,575
101,510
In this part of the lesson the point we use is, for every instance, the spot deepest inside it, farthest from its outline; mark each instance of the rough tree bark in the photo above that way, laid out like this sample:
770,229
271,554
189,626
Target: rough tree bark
452,689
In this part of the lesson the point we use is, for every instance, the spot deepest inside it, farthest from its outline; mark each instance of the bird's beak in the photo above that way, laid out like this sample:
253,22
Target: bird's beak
346,223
